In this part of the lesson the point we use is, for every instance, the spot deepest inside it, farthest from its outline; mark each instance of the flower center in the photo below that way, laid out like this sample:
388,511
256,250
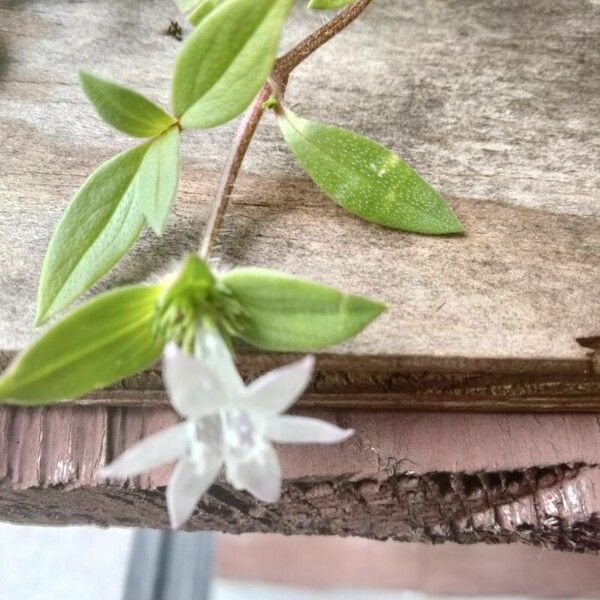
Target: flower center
239,432
231,433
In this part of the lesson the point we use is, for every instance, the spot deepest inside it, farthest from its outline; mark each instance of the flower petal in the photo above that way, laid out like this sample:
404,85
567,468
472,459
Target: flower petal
277,390
187,486
260,474
287,429
212,350
193,387
151,452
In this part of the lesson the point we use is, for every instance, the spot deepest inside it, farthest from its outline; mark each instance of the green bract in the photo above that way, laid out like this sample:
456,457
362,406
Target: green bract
324,4
104,340
284,313
105,217
123,108
366,178
224,62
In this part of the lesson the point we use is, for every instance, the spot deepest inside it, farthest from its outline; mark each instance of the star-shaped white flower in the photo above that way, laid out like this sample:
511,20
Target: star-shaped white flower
226,424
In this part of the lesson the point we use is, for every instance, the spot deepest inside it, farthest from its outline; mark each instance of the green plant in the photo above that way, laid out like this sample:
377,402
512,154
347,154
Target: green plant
226,65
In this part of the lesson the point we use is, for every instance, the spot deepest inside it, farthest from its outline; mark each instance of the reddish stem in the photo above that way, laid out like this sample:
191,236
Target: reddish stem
281,72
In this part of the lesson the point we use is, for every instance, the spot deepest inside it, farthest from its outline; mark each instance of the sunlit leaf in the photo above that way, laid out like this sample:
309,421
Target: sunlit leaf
224,62
158,178
99,343
101,222
203,8
123,108
285,313
105,217
325,4
366,178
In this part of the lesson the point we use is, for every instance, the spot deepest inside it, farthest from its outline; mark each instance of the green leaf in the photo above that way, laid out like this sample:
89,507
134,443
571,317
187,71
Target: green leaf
202,10
158,178
366,178
101,222
224,62
284,313
99,343
123,108
325,4
105,217
197,9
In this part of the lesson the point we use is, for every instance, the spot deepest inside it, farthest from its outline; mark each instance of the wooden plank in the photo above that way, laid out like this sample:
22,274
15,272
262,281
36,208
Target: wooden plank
420,477
495,102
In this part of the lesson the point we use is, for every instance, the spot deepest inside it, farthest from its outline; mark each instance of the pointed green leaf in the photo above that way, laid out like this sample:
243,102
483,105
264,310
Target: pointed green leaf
366,178
325,4
101,222
123,108
105,217
287,314
228,57
202,10
158,178
99,343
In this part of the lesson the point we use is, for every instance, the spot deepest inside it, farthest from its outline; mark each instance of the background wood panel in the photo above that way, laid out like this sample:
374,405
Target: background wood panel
495,102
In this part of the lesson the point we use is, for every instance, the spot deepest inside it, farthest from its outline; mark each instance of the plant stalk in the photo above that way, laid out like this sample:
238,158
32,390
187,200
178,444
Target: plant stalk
281,71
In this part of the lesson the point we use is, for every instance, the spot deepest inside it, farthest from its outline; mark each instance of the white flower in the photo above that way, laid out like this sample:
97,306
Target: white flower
226,423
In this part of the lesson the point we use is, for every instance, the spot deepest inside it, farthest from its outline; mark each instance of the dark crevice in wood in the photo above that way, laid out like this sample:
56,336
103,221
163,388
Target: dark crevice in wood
434,507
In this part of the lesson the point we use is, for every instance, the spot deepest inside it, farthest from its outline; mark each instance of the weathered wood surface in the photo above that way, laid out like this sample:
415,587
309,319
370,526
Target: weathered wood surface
460,95
426,477
497,104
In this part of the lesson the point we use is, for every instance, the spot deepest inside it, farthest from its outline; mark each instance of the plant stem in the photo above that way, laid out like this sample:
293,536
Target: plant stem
281,72
242,140
290,60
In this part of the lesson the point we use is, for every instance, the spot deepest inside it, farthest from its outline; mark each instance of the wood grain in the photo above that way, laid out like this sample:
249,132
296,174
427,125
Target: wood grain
496,103
421,477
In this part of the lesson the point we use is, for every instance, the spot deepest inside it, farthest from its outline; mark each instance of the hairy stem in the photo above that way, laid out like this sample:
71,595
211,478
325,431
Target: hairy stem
242,140
290,60
281,72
